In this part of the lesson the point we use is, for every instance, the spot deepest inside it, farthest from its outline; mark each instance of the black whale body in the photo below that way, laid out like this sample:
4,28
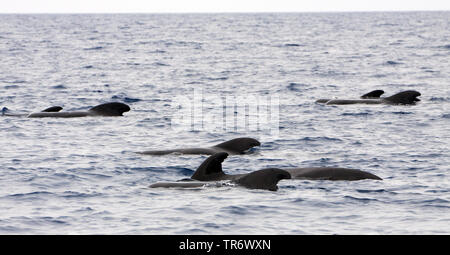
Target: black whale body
107,109
408,97
330,173
232,147
211,170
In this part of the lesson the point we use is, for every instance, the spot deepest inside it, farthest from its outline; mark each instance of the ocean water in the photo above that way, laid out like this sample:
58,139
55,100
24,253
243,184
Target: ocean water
82,175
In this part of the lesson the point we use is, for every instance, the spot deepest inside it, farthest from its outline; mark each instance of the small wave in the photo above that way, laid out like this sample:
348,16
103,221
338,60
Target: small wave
12,229
125,98
237,210
88,66
4,110
446,116
157,51
14,49
182,170
68,176
386,25
94,48
320,138
223,78
293,86
292,45
84,209
440,99
371,191
11,87
356,114
391,62
32,195
379,75
98,176
144,42
160,64
14,81
131,100
74,194
59,87
147,169
44,221
212,225
438,202
361,199
447,47
402,113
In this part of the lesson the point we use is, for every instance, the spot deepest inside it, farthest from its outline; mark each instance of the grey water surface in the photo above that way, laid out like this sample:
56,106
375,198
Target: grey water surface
82,175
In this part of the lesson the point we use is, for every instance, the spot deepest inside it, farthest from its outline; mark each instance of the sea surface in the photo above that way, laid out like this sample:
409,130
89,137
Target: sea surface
83,175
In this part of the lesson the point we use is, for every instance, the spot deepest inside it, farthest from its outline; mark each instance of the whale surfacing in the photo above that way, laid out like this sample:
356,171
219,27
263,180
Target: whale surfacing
107,109
408,97
8,113
330,173
268,178
233,147
211,170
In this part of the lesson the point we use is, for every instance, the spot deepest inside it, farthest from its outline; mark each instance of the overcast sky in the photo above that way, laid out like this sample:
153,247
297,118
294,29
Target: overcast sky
152,6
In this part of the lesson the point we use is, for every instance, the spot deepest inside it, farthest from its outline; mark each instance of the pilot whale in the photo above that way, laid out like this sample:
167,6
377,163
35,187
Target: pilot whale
330,173
211,170
107,109
232,147
408,97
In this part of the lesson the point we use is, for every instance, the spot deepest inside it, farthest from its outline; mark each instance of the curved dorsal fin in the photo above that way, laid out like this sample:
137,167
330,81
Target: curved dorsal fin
110,109
53,109
238,145
263,179
211,168
373,94
404,97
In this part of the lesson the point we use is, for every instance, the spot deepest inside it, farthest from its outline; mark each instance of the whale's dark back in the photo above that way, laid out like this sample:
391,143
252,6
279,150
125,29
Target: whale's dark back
404,97
110,109
238,145
263,179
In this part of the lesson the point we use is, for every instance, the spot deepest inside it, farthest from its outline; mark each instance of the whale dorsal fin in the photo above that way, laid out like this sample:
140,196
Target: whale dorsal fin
238,145
404,97
211,168
264,179
53,109
110,109
373,94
